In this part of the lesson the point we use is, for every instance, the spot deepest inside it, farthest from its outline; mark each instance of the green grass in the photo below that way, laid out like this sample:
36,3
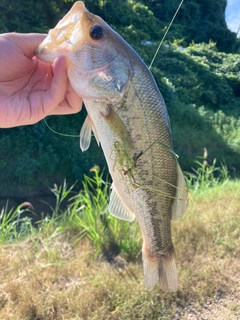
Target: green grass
86,217
12,225
82,263
206,175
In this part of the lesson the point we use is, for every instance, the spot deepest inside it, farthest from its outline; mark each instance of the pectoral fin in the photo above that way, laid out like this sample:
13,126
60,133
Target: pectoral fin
118,209
85,134
180,201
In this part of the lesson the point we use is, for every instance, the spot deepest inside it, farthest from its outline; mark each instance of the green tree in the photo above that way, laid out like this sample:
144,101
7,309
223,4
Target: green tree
197,20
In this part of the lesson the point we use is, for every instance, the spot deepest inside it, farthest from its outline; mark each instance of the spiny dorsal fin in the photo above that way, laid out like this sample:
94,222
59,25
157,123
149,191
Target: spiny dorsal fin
179,205
118,209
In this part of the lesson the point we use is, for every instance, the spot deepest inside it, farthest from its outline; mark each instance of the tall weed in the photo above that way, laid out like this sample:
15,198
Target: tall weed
13,225
206,175
87,216
86,213
89,210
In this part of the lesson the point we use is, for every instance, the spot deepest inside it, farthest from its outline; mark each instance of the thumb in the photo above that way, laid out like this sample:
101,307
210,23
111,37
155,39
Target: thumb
57,91
27,42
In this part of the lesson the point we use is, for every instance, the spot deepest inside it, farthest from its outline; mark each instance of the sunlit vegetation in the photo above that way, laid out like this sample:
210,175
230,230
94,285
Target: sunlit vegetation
76,261
82,263
199,82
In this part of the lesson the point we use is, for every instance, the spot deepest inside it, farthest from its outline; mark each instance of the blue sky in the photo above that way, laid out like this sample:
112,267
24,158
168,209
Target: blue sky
232,15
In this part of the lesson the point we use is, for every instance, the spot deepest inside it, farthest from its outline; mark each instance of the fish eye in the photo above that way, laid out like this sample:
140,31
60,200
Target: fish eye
96,32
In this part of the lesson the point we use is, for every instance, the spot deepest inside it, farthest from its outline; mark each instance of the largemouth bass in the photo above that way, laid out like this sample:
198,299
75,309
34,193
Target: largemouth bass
128,117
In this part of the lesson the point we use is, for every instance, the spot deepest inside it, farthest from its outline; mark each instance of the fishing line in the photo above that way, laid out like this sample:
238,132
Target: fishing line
59,133
166,32
47,125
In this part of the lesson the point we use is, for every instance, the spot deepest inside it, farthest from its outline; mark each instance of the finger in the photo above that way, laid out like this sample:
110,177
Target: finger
73,99
27,42
56,93
67,108
64,109
30,42
72,102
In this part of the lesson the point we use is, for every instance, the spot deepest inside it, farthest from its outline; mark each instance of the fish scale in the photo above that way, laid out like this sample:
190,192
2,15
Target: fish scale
129,118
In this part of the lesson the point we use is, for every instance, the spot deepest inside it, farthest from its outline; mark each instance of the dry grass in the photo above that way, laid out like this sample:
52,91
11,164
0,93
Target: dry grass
45,278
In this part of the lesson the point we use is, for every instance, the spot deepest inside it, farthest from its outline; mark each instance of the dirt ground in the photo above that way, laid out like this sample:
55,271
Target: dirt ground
224,307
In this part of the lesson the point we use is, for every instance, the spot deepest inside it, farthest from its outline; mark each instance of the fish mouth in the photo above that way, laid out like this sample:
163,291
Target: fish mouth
64,36
48,53
59,41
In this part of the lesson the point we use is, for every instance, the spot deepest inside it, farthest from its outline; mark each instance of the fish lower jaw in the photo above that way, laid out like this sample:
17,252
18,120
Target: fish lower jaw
86,74
47,56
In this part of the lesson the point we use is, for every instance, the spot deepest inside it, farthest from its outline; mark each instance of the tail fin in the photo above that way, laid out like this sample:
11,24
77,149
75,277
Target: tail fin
162,271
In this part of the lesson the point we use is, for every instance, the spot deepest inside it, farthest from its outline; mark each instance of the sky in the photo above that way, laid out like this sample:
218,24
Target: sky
232,15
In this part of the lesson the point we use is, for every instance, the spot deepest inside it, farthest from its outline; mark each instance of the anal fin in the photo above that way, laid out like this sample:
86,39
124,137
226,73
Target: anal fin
180,202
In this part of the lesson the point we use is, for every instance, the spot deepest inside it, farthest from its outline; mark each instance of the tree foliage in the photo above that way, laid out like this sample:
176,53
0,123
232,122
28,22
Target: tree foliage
197,20
200,83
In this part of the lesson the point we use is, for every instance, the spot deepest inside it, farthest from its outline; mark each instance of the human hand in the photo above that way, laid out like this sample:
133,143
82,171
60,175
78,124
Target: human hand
31,89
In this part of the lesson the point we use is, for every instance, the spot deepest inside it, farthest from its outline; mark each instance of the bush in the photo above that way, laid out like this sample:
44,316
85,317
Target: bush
201,87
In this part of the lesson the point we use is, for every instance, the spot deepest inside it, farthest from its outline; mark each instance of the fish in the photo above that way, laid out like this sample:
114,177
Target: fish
128,116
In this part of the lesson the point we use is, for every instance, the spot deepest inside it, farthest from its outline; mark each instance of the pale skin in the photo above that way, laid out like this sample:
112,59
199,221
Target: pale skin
31,89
